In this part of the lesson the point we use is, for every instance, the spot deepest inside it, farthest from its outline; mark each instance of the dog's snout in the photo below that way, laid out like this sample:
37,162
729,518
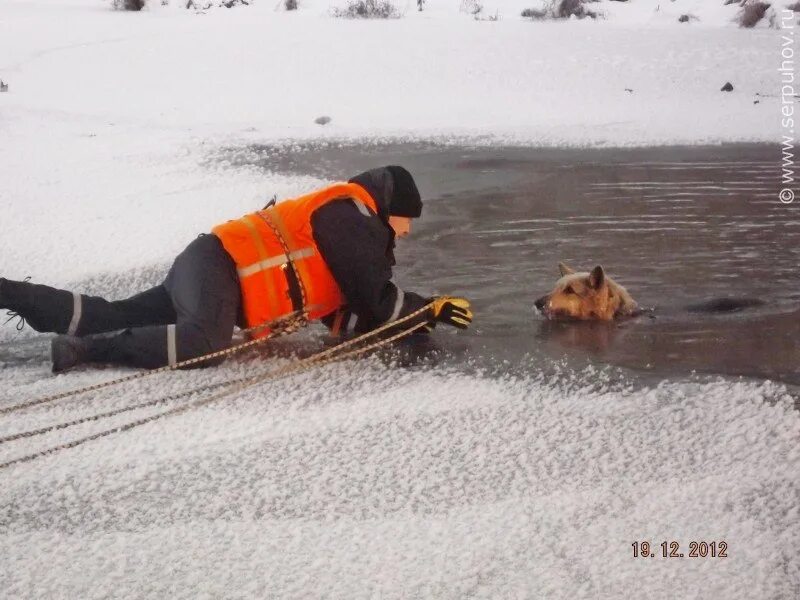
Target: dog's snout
540,303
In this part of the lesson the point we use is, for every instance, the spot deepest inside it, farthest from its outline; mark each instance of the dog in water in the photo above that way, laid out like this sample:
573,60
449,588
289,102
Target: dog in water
591,296
594,296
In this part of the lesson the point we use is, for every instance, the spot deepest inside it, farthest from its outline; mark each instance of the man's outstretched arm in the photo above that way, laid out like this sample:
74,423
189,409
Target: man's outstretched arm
355,244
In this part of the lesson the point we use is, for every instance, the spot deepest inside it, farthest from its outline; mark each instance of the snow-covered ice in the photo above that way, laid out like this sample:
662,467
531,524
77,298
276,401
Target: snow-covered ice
360,480
396,484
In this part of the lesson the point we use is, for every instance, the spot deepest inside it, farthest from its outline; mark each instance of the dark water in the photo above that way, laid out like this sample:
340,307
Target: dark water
675,225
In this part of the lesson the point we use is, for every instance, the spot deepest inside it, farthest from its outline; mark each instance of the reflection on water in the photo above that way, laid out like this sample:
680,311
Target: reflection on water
674,225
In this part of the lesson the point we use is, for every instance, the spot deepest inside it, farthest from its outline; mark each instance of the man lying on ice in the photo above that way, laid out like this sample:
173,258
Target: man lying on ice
339,240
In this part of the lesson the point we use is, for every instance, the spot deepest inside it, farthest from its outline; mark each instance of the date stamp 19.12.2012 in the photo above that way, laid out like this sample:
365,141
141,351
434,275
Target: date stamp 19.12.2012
672,549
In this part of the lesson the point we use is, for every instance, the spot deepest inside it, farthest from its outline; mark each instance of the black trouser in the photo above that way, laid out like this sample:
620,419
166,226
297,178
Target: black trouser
192,313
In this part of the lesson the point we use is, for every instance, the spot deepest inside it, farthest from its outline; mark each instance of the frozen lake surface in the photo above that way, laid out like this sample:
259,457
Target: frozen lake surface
518,459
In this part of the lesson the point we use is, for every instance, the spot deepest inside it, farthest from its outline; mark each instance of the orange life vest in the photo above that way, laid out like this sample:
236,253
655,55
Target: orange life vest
261,261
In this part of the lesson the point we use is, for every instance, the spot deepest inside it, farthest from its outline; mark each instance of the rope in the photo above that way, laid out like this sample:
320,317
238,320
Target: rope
110,413
177,395
278,327
321,358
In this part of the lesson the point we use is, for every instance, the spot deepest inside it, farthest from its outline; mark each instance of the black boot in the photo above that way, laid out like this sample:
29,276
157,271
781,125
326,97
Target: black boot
140,347
44,308
67,351
20,325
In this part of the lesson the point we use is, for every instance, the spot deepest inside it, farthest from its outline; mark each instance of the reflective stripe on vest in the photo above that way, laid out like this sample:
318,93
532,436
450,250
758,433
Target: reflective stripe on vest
274,261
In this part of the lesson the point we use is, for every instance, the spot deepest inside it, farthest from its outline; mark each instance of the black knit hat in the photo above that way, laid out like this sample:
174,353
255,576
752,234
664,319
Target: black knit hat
405,201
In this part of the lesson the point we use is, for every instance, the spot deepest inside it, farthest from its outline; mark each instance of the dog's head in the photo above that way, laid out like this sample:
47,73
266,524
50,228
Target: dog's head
586,296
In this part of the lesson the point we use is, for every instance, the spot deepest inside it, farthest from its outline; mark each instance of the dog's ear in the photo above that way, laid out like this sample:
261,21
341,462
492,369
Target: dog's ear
564,269
597,277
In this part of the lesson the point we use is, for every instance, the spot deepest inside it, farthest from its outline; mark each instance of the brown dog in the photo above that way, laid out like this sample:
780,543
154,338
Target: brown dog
592,296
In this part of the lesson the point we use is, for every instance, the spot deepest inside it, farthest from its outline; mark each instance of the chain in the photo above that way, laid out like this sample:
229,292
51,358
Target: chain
321,358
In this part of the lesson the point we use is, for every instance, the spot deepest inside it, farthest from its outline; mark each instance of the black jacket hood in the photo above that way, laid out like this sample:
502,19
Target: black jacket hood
380,185
394,189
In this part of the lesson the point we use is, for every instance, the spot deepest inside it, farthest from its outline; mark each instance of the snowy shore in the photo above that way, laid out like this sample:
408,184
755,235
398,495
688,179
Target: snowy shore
367,482
111,109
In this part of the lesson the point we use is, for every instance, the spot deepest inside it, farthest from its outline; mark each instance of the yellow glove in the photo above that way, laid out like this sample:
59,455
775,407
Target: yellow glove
452,311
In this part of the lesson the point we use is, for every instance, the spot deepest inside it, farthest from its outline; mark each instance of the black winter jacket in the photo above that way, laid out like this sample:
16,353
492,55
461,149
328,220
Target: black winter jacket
358,247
